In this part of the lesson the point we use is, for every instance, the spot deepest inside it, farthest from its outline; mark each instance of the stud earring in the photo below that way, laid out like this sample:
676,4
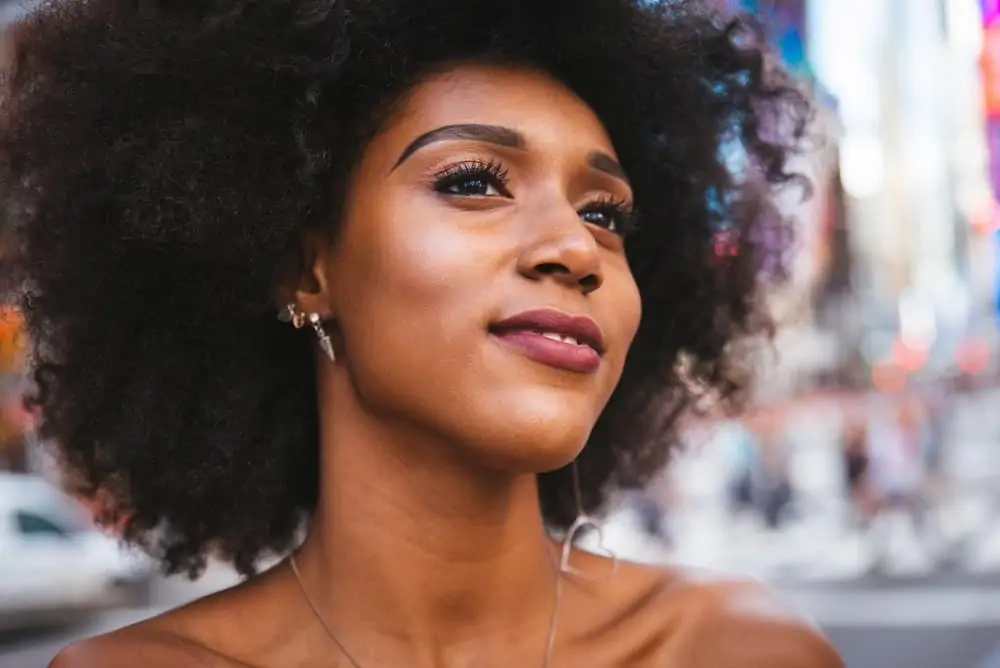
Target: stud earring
298,319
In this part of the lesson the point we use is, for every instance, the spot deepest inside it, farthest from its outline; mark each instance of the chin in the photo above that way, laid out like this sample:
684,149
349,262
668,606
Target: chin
535,440
527,458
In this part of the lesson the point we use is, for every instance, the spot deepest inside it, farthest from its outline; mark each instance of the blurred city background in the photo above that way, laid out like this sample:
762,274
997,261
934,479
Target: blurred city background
864,479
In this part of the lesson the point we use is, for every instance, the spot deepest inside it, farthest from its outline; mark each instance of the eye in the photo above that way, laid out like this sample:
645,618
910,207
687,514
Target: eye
473,179
614,215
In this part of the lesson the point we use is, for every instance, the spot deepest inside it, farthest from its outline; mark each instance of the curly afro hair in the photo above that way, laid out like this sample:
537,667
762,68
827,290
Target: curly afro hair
159,160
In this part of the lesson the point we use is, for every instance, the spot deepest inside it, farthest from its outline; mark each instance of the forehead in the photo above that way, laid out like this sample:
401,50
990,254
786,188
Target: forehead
541,108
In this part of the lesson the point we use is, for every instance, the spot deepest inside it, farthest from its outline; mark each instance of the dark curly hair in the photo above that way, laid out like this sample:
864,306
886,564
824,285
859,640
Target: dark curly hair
159,160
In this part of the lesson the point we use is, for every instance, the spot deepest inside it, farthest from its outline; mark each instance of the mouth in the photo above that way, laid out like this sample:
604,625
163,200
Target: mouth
573,343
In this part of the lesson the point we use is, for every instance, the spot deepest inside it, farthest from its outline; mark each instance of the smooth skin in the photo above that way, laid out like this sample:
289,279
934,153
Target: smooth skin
427,548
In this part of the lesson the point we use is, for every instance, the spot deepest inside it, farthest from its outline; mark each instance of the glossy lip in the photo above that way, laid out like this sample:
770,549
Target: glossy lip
524,333
579,327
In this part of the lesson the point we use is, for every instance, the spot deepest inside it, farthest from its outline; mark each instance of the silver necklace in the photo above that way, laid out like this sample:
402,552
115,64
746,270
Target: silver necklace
549,644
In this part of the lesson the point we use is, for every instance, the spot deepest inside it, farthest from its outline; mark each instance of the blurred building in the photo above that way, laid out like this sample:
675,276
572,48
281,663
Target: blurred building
897,273
901,225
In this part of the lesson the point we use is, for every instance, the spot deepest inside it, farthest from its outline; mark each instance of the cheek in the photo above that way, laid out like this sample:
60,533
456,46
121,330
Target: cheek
412,283
414,250
626,308
397,256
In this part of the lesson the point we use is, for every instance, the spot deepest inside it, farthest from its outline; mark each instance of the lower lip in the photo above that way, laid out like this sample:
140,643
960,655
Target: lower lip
568,356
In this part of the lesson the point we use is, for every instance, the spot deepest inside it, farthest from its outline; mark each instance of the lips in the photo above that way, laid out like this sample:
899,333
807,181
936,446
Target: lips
572,343
556,325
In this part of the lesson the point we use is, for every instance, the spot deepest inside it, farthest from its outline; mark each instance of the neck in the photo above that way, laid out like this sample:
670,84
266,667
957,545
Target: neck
412,543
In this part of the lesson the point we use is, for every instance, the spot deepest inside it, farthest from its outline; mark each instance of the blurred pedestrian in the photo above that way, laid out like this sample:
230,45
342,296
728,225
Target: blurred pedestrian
856,461
937,409
743,464
773,486
897,446
654,505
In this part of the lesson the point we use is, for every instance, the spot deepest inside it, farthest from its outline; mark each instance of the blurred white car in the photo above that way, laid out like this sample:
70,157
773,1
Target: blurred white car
54,564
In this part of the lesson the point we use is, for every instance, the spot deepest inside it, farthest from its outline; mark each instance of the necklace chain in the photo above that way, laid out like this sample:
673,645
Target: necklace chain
550,642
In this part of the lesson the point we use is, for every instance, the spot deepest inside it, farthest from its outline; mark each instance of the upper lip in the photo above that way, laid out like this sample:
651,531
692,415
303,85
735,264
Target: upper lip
579,327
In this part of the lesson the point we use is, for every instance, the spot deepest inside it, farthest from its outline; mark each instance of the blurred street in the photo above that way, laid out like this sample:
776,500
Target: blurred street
888,598
938,622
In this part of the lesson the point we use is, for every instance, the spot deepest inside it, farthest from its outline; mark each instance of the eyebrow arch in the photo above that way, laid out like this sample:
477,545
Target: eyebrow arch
603,162
491,134
501,136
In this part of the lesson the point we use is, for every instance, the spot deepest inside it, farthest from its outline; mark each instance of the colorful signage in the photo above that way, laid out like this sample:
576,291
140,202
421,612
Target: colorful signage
990,66
991,12
989,63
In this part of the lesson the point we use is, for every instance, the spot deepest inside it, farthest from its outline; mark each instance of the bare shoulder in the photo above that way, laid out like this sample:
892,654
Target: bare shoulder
240,627
164,641
714,621
134,646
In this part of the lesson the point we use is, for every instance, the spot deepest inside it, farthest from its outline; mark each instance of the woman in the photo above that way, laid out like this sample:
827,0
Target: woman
456,211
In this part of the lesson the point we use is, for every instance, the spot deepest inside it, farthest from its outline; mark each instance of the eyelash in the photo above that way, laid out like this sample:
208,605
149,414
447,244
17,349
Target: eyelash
617,210
494,174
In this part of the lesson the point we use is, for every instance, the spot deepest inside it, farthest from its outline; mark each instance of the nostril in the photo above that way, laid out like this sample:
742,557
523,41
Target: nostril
590,282
586,282
549,268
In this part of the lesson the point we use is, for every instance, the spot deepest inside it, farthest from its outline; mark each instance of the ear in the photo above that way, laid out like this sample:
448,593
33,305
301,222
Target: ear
309,287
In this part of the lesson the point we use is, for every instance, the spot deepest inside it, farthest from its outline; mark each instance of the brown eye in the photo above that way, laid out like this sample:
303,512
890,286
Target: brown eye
613,215
473,179
469,187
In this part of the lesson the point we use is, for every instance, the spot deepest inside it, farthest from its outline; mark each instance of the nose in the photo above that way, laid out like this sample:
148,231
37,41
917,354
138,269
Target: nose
563,249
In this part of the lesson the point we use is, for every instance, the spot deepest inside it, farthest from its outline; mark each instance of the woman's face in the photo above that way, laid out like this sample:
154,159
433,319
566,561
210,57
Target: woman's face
478,280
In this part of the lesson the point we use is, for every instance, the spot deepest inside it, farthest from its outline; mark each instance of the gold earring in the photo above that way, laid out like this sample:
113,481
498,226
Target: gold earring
292,314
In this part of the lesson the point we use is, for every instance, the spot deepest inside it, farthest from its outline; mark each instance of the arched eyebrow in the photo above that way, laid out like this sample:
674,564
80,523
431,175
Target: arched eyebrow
500,136
491,134
603,162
